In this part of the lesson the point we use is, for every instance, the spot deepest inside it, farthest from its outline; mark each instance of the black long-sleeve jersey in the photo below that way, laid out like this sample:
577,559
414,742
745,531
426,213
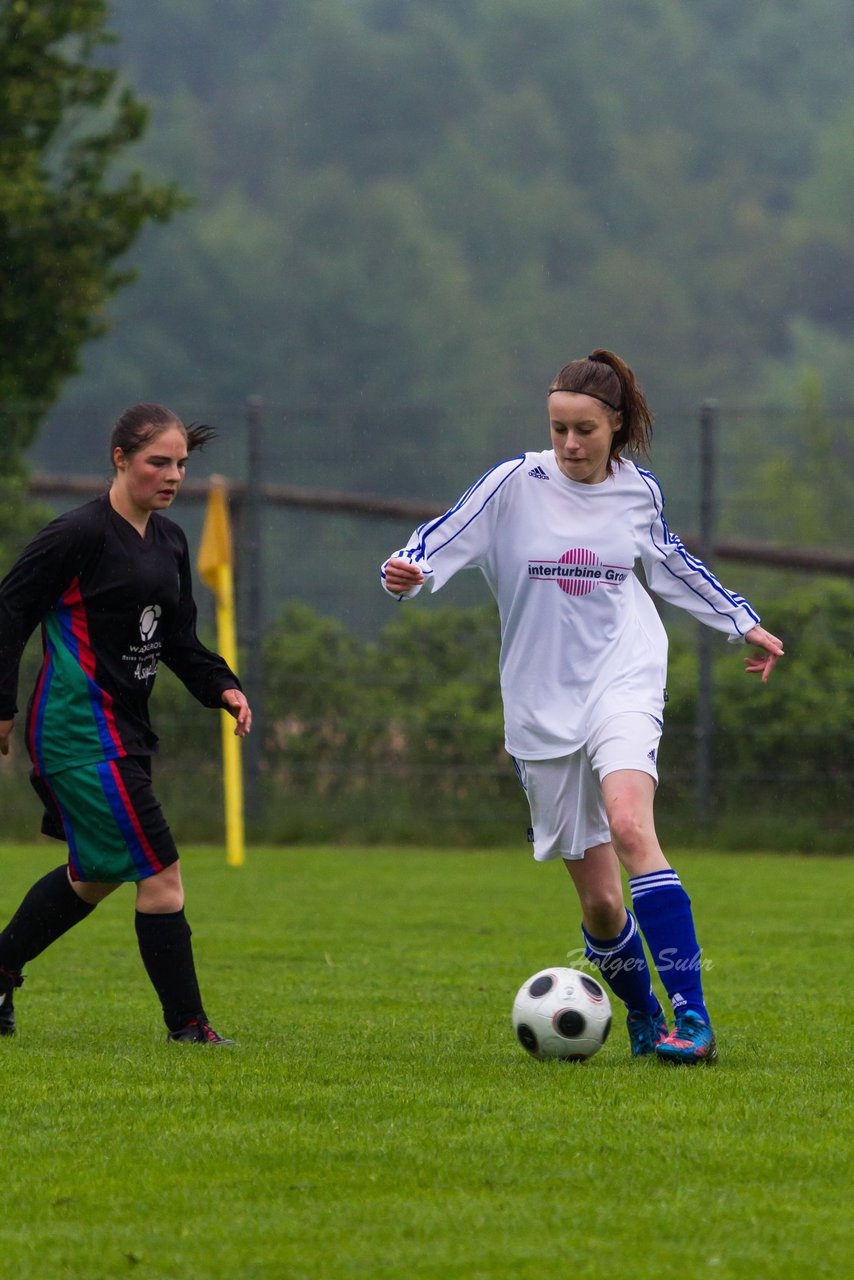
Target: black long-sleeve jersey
112,604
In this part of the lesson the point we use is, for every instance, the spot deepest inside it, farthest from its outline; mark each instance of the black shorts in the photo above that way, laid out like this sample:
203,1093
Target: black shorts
110,817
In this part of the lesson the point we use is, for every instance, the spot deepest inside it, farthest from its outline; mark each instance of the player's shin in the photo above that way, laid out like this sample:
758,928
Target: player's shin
664,914
622,963
48,910
167,953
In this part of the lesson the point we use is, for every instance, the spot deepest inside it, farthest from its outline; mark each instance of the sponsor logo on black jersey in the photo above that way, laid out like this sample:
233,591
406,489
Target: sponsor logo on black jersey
148,621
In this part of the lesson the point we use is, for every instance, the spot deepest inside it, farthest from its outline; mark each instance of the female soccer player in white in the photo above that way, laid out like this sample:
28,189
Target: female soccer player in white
583,666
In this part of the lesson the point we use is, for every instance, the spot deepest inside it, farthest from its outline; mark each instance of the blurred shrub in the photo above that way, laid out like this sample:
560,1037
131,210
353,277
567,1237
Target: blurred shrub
400,740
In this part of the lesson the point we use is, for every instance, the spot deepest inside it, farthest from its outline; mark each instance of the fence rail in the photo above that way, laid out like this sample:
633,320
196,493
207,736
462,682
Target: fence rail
254,497
340,502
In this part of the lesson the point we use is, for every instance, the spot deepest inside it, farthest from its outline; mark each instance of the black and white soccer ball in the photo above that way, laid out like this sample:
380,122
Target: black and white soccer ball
562,1013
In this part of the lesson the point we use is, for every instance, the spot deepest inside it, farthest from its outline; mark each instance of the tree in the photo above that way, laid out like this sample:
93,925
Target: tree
64,121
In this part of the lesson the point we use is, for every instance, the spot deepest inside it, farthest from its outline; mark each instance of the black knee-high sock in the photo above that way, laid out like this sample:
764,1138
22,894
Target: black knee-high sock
48,911
167,953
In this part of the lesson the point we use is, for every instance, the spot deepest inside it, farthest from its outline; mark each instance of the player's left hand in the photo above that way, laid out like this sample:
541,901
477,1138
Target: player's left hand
6,727
772,649
236,705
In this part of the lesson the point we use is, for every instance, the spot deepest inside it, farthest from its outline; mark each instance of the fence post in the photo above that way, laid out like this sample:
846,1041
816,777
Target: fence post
705,726
253,571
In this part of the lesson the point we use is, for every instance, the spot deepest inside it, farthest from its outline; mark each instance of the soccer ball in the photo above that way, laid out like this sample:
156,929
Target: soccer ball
561,1013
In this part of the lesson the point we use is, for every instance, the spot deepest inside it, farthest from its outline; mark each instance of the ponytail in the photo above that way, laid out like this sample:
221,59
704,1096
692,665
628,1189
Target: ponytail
144,422
198,435
607,378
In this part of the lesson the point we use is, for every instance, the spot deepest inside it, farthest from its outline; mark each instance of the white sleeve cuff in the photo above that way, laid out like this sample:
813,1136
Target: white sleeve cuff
423,565
742,639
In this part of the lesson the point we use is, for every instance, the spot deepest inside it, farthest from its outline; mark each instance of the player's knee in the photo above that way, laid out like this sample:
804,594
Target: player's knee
629,830
161,893
160,898
92,892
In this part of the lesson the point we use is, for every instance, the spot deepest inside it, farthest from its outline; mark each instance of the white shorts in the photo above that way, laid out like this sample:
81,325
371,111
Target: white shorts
565,795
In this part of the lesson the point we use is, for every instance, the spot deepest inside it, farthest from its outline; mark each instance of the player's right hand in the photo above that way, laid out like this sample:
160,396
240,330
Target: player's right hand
401,575
6,727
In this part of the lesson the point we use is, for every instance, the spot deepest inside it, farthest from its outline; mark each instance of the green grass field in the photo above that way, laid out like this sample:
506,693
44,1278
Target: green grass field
378,1118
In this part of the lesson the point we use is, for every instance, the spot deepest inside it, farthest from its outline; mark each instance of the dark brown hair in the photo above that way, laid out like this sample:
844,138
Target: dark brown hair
144,422
609,379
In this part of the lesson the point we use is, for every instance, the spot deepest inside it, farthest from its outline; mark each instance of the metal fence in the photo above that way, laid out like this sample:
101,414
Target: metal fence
320,495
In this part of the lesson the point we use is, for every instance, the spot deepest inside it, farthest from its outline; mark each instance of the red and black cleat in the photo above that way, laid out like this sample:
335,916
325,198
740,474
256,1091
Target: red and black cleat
198,1031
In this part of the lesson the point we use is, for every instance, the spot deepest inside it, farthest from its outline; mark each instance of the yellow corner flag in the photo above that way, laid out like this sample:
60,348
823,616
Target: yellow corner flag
215,569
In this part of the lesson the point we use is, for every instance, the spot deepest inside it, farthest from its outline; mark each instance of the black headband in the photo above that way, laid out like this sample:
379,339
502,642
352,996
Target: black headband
592,394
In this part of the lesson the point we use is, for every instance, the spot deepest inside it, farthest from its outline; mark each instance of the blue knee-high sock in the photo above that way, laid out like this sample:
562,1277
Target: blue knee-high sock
663,909
622,963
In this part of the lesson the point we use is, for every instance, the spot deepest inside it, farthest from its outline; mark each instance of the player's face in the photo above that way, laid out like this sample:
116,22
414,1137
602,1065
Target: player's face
582,432
151,477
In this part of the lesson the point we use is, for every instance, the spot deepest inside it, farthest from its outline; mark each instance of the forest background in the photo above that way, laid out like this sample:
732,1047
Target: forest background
406,217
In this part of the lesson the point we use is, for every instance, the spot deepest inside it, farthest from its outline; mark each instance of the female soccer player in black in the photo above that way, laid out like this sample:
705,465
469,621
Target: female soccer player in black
110,584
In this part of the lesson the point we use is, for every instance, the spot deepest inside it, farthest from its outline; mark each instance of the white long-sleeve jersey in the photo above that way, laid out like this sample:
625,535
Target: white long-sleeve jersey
580,638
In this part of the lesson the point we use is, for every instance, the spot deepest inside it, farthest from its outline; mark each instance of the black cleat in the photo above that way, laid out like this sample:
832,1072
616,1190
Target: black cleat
8,981
7,1015
198,1031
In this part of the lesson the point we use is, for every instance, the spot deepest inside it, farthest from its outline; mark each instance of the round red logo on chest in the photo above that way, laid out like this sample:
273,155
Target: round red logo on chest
585,575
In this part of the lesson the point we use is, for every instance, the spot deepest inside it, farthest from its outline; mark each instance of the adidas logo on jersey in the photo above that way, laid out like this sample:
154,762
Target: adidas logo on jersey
538,473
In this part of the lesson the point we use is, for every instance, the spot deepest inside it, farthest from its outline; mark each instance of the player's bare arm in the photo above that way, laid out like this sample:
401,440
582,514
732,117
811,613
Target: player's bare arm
6,727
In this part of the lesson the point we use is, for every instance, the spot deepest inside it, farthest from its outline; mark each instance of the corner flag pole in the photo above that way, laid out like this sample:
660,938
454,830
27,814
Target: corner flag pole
215,569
